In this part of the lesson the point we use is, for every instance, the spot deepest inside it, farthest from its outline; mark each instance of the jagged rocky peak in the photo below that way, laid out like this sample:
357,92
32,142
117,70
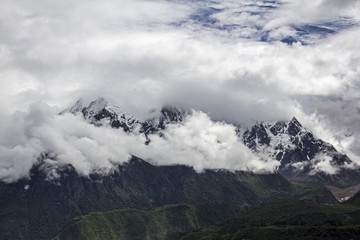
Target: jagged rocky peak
278,128
172,114
88,108
256,136
78,106
97,105
292,145
100,109
294,127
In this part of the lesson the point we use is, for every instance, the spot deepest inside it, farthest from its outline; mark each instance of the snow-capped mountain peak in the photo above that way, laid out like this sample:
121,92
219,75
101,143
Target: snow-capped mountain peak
294,127
295,147
292,145
97,105
77,107
100,109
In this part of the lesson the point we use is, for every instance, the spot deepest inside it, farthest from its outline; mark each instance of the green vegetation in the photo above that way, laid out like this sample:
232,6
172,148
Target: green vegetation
345,178
167,222
42,210
288,220
13,226
355,200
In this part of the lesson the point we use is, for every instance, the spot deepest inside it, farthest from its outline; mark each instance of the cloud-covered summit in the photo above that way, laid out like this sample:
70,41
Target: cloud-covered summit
69,138
96,137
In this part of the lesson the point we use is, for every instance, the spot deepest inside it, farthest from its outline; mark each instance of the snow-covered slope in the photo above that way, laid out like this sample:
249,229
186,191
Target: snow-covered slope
297,149
102,111
299,152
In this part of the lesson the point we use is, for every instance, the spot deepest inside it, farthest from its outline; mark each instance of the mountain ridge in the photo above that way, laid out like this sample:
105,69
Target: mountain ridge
54,194
301,155
38,207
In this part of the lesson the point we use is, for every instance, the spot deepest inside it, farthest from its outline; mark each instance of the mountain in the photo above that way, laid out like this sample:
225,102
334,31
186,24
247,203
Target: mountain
293,145
100,110
302,156
38,207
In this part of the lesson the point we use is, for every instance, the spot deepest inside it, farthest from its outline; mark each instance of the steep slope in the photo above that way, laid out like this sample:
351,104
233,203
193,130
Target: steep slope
302,156
101,111
38,207
167,222
33,208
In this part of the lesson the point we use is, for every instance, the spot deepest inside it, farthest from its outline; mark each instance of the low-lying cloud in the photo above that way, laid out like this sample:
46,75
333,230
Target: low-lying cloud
205,144
69,139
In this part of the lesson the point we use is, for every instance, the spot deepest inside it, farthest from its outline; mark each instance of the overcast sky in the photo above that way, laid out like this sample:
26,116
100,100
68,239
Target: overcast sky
238,61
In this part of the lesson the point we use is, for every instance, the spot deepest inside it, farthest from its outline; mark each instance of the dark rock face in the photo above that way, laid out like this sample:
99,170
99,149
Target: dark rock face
294,127
278,128
298,151
257,136
100,110
295,147
171,114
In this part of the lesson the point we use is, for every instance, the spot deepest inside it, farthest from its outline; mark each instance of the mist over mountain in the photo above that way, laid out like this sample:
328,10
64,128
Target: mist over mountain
97,136
106,105
37,208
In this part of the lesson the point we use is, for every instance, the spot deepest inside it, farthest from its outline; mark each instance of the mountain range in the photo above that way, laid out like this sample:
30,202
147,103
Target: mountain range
143,201
301,155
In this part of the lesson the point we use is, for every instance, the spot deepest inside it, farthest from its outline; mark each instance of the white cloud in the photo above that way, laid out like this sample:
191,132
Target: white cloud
143,54
69,139
322,163
295,12
205,144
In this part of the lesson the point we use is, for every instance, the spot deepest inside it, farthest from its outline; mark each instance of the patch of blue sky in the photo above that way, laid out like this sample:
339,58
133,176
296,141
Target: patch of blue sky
311,33
232,18
204,16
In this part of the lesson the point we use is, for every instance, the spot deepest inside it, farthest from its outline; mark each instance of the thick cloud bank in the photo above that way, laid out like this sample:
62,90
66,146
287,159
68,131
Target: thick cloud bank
204,144
69,139
239,61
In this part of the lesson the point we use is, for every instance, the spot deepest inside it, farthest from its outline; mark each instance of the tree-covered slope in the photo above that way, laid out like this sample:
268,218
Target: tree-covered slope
37,208
167,222
288,220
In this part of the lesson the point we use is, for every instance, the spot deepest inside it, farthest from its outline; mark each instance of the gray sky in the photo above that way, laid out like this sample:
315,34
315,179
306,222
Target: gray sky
204,55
